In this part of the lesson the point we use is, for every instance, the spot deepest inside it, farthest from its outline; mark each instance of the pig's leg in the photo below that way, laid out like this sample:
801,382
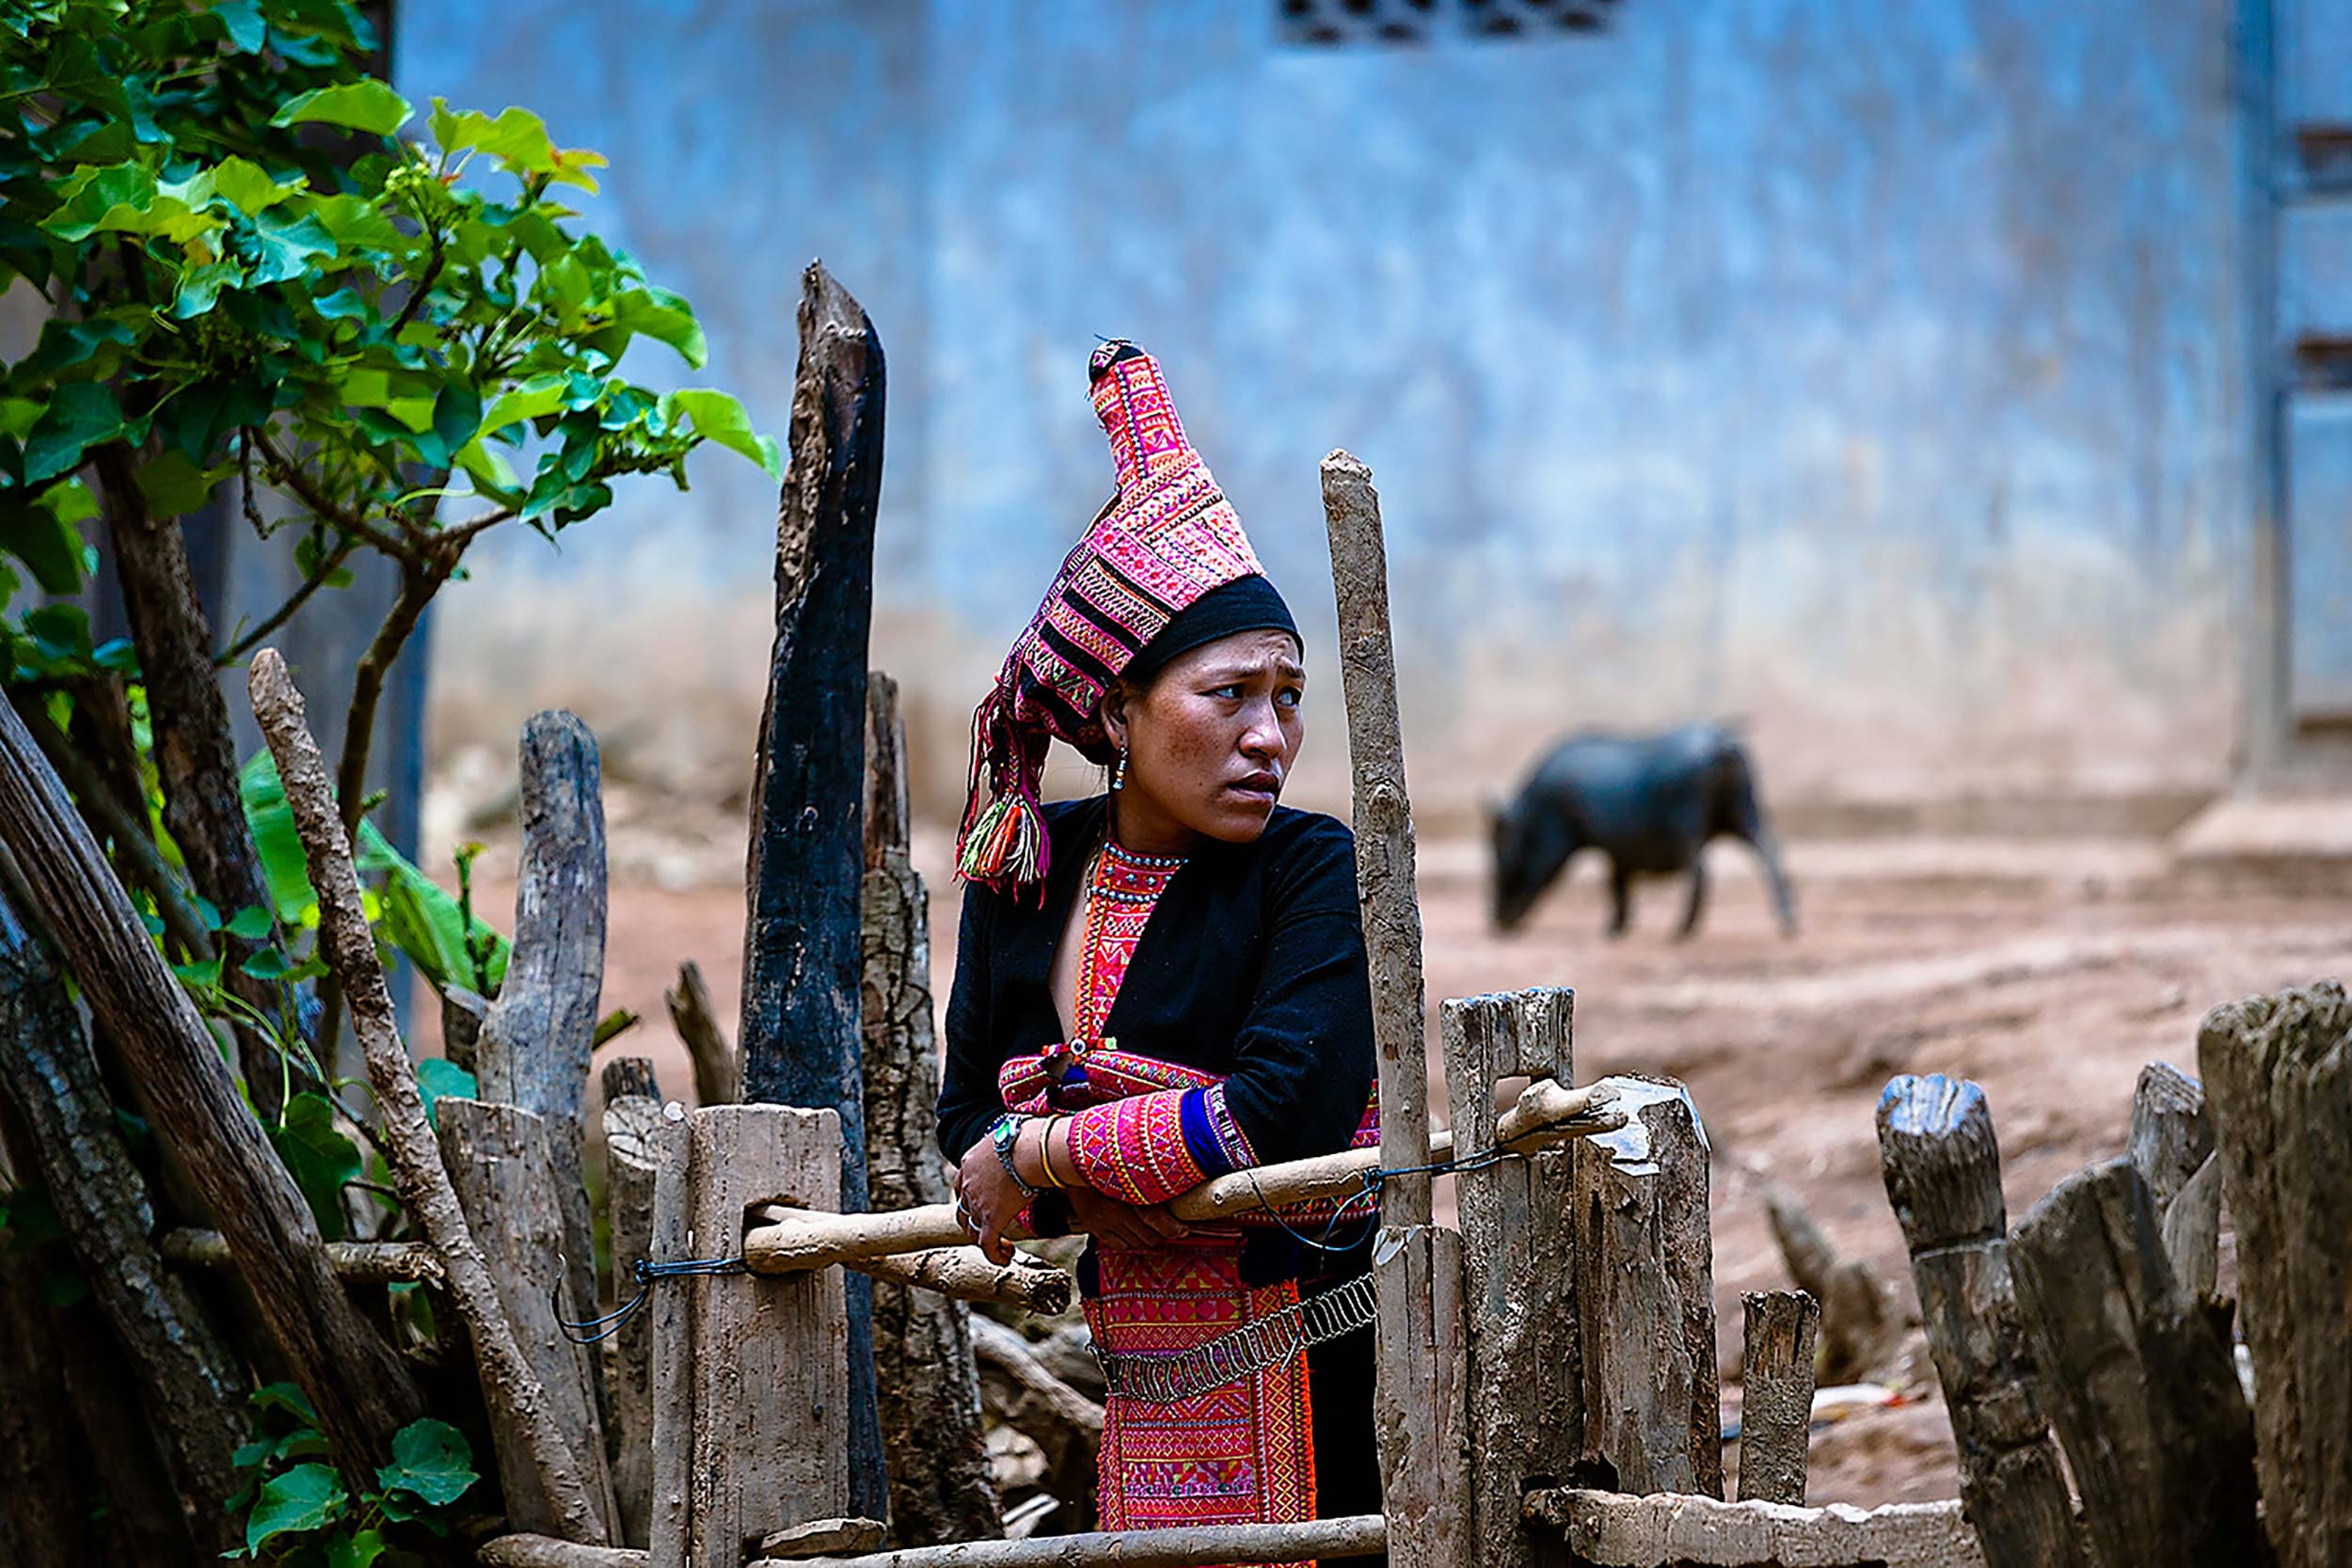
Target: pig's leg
1749,824
1698,895
1620,898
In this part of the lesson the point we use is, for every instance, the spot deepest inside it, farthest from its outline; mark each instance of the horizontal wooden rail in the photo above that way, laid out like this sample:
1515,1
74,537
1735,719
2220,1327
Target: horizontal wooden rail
958,1271
784,1239
1179,1547
1611,1530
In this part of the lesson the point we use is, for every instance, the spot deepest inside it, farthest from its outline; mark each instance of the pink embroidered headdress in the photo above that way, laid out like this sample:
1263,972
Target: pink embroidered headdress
1166,539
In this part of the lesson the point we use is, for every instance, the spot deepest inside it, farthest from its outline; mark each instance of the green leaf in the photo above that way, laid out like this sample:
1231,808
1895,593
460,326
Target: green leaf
431,1460
342,305
354,1551
81,415
200,286
664,317
269,964
720,418
286,1398
174,486
356,222
248,186
288,244
207,911
534,399
252,923
31,531
440,1079
304,1498
457,415
491,473
427,927
320,1158
246,29
366,106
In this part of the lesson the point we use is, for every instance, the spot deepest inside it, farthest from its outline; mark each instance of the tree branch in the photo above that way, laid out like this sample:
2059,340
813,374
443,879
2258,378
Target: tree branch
418,584
327,567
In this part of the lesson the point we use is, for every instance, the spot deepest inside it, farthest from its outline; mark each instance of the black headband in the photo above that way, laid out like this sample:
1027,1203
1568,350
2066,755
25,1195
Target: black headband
1245,604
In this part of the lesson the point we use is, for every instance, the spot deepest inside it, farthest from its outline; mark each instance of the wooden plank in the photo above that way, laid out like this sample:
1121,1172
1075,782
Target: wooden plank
1517,1249
1645,1298
2142,1391
1776,1394
770,1355
669,1525
801,957
825,1538
632,1126
2278,1072
536,1039
502,1165
1608,1530
1384,830
1943,1170
1421,1403
353,1381
927,1390
1176,1546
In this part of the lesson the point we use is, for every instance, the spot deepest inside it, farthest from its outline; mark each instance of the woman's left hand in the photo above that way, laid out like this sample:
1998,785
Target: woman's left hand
987,1200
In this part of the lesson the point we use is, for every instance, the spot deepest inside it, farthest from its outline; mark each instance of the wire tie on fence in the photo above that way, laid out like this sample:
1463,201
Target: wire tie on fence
646,1271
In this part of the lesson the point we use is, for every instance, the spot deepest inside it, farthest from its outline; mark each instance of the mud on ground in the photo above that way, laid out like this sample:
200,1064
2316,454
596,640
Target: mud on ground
2049,971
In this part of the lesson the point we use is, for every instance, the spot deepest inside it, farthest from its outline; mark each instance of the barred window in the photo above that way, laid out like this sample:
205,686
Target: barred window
1329,23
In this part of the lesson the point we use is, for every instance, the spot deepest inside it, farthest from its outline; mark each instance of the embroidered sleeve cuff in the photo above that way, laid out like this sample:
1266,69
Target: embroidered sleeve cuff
1136,1150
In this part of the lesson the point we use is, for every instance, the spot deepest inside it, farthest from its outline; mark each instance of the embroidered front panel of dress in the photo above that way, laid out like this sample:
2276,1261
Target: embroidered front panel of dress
1241,1453
1120,894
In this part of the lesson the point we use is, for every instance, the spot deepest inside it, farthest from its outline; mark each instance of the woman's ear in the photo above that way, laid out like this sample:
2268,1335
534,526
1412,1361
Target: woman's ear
1114,713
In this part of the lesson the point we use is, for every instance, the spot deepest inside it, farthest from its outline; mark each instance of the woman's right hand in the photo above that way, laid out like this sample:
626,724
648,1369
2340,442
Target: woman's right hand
1123,1225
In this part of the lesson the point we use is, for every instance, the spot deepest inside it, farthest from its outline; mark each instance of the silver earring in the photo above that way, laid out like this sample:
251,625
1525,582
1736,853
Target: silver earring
1119,771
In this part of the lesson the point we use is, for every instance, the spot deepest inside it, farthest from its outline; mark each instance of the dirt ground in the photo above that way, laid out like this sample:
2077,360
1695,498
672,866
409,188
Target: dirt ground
2049,971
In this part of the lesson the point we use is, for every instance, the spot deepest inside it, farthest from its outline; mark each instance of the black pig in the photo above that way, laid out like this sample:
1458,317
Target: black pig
1651,804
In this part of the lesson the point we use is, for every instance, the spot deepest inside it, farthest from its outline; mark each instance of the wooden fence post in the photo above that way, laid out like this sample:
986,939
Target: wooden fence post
1420,1390
1525,1388
2142,1392
771,1353
1943,1171
927,1384
801,959
1776,1394
502,1162
632,1122
2279,1070
669,1525
535,1042
1646,1297
2173,1147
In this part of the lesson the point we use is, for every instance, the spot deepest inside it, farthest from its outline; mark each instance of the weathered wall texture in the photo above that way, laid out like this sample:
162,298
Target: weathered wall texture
1869,372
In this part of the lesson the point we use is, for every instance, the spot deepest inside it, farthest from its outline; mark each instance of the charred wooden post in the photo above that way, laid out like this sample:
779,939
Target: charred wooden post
927,1388
1943,1171
632,1121
1646,1298
1419,1400
355,1382
2279,1070
189,1379
502,1163
2142,1392
422,1180
717,1070
802,950
771,1416
1776,1394
537,1040
1526,1387
669,1525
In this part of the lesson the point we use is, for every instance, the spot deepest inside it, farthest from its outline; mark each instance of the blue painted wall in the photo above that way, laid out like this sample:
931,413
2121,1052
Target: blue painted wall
1871,371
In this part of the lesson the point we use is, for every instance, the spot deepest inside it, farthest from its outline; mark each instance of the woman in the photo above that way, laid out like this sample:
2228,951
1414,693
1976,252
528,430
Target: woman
1164,984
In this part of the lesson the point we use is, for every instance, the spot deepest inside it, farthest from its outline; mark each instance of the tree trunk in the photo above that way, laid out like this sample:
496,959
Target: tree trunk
356,1384
801,959
928,1391
193,1389
195,749
46,1522
2279,1071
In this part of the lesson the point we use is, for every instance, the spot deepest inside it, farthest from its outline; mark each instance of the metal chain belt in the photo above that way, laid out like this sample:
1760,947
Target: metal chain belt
1249,1349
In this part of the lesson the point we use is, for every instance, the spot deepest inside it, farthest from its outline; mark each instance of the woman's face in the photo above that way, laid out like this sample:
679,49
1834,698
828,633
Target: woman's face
1209,743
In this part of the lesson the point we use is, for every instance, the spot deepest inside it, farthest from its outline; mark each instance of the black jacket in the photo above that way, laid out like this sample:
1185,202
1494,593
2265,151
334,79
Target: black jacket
1253,967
